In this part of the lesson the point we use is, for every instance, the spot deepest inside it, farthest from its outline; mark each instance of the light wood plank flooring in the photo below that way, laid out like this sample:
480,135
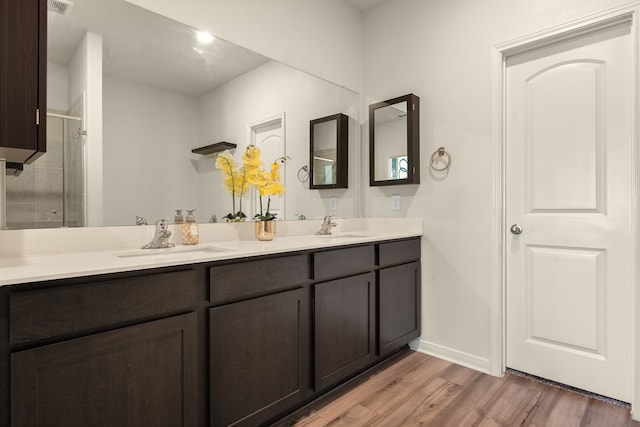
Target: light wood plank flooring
420,390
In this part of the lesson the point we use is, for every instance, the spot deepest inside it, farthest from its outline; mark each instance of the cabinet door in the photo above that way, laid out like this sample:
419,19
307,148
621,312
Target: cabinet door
344,328
142,375
399,306
22,78
259,358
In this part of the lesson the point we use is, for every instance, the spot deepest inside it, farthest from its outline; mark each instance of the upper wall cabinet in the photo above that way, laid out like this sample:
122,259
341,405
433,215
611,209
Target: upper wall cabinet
329,150
394,141
23,48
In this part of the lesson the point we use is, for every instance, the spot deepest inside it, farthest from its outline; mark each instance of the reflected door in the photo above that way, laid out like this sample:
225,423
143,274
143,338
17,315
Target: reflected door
569,195
269,136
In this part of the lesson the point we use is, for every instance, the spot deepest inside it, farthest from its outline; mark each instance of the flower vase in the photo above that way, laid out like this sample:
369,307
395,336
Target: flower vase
265,230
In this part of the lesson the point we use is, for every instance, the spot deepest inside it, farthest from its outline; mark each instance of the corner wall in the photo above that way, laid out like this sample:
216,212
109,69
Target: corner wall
441,51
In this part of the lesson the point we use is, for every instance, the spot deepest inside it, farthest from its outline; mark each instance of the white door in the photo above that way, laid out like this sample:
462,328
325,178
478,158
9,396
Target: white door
569,189
269,136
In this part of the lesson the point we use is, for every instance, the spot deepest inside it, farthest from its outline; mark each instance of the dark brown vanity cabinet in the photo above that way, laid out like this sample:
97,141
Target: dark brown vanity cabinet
398,294
344,313
141,375
399,306
344,328
23,46
259,358
259,339
121,351
238,342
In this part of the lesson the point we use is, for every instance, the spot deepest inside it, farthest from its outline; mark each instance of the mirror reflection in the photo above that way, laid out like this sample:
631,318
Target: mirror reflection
394,141
391,133
131,93
329,148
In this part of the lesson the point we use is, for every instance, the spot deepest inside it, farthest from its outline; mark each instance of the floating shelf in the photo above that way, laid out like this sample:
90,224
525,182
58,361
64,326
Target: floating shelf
214,148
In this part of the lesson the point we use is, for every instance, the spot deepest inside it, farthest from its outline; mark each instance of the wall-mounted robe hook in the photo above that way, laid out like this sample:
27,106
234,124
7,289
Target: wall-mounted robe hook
440,160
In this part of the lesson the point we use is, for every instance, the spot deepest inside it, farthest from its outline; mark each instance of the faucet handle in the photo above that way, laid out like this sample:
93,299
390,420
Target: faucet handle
162,226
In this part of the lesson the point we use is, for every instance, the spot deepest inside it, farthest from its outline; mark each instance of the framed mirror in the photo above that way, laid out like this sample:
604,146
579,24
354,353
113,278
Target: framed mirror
121,128
394,141
329,142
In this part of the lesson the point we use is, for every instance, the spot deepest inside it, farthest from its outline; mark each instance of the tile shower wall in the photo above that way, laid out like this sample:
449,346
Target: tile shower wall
35,198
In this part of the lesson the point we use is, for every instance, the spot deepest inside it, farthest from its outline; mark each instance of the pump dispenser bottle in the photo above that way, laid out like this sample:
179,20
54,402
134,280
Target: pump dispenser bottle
190,229
178,219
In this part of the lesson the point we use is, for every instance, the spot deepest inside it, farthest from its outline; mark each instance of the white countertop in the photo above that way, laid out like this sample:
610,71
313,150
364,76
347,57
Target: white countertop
91,251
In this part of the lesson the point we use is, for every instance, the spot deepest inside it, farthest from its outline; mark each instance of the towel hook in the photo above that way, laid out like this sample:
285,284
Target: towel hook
440,156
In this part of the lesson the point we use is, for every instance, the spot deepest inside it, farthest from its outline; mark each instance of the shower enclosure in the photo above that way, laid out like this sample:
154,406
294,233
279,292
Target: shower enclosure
50,192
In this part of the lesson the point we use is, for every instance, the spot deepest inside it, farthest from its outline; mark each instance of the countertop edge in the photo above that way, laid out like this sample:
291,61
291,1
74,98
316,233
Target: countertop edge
40,268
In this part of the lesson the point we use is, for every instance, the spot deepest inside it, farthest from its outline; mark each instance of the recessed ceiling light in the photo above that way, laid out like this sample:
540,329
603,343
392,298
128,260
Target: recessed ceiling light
204,37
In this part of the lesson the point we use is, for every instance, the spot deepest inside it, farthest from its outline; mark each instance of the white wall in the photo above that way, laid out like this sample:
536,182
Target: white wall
227,112
440,50
320,37
155,128
85,75
57,86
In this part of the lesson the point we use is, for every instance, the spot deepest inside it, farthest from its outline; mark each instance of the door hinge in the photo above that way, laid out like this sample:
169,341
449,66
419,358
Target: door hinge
37,116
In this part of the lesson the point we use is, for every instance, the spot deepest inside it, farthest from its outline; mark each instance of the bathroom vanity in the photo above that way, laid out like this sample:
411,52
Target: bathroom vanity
227,338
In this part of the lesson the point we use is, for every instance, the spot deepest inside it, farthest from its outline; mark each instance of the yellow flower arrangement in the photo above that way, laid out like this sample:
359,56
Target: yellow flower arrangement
235,180
267,183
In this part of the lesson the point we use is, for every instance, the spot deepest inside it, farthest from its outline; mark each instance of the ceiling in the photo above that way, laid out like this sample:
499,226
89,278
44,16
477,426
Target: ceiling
364,5
139,45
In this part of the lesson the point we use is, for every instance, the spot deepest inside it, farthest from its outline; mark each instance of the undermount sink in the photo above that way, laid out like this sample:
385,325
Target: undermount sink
173,252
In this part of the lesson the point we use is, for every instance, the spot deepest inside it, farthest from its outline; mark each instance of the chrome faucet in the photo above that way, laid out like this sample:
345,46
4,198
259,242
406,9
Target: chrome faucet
327,225
161,236
140,220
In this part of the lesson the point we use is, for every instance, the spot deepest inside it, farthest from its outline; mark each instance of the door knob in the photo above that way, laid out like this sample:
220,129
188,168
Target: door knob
516,229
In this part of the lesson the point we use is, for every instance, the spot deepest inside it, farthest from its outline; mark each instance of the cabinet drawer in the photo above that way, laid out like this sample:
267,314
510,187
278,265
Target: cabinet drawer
242,280
59,311
343,262
398,252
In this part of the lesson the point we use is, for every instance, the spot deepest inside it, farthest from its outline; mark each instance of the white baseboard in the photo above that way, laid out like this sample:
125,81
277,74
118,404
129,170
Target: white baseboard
455,356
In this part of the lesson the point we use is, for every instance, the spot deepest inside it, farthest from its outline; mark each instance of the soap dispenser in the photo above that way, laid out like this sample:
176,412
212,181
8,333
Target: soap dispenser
179,220
189,229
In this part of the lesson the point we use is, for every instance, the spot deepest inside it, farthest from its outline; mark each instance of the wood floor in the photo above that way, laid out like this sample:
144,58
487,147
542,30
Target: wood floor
421,390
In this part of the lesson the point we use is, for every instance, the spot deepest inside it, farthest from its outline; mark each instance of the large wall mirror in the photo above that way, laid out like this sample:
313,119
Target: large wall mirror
394,141
131,93
329,152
